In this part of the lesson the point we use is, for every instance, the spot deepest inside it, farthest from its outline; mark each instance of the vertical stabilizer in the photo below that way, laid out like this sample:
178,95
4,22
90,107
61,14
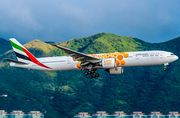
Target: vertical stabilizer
20,50
23,54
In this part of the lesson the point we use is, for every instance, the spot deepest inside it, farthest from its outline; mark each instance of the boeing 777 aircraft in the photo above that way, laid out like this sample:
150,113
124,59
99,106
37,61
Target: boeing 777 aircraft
111,62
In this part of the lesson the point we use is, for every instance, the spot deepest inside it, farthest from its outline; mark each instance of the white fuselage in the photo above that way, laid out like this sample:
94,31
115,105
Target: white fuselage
139,58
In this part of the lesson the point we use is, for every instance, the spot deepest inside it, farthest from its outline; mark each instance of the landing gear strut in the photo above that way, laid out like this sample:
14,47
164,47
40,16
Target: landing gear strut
92,74
165,65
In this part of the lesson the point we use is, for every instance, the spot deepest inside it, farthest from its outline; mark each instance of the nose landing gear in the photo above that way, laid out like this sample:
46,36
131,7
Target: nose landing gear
92,74
165,66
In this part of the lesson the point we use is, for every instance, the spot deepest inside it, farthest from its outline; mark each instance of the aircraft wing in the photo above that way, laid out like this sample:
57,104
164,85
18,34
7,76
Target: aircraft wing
84,58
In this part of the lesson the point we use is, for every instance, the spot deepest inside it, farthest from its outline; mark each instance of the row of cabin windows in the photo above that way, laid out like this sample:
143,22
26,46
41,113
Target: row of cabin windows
146,56
130,116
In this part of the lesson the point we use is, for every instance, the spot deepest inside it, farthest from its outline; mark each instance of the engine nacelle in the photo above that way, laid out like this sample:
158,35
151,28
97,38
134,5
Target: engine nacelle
109,63
117,70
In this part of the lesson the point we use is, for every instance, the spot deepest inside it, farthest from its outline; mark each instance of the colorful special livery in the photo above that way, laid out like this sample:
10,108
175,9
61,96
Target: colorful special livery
111,62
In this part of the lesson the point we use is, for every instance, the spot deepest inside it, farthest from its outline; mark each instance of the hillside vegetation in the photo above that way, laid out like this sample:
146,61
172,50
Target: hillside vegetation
64,94
4,46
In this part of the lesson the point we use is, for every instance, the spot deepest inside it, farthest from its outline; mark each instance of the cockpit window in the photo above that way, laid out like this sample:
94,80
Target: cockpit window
172,54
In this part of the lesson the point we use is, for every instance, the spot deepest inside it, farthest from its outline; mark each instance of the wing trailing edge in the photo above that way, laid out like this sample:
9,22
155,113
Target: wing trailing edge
78,56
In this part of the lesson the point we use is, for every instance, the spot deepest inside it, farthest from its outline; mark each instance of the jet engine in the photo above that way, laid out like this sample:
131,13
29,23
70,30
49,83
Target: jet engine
108,63
116,70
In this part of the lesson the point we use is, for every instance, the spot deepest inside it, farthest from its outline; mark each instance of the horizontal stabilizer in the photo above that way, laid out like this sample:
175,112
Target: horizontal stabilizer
15,61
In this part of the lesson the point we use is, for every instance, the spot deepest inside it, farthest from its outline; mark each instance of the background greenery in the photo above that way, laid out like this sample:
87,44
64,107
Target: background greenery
64,94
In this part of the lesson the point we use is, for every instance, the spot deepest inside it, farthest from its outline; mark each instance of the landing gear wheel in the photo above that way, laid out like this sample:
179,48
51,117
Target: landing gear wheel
94,76
97,75
90,76
164,69
86,73
93,71
89,72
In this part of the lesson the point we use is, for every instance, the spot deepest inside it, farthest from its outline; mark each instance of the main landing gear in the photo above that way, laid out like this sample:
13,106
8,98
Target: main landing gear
92,74
165,66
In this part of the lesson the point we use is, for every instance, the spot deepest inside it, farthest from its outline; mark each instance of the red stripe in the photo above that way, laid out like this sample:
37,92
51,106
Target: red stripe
33,59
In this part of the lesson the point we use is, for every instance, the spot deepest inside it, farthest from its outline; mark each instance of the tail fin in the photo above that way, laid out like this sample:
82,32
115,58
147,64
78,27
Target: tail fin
21,52
23,55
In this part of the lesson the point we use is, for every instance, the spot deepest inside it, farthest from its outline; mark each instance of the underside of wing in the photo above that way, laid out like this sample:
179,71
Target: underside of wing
84,58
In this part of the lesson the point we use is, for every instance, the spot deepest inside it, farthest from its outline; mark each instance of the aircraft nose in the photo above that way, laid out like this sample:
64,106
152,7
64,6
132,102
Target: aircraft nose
176,57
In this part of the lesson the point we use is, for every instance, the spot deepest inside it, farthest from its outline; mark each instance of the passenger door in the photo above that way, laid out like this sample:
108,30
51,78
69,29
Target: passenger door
68,60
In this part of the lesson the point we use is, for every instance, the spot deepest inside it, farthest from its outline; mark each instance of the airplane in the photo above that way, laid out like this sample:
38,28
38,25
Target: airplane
110,62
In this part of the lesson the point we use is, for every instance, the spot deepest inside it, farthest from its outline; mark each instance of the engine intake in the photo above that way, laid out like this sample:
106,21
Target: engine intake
116,70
